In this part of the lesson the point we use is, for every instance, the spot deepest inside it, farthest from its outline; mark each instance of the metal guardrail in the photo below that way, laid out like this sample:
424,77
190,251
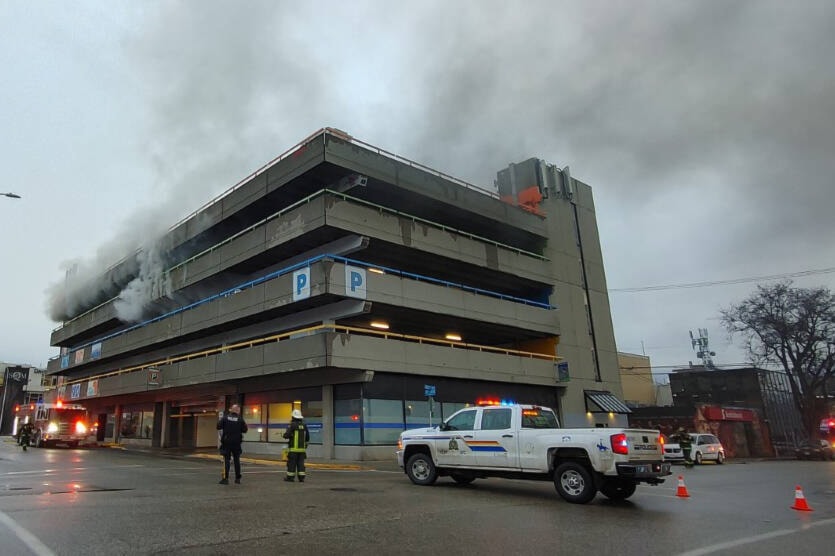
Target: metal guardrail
317,329
307,200
288,269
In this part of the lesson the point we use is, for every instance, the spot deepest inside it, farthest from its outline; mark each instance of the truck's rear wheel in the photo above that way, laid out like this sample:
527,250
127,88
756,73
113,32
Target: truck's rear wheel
574,483
421,470
618,489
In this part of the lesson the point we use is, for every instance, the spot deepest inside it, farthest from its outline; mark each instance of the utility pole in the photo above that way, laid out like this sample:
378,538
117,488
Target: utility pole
702,347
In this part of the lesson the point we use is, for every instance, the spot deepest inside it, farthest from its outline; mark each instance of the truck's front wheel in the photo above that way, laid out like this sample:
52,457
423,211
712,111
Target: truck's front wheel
421,470
574,483
618,489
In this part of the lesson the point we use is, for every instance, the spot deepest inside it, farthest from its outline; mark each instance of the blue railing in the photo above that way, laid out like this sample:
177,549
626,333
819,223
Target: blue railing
303,264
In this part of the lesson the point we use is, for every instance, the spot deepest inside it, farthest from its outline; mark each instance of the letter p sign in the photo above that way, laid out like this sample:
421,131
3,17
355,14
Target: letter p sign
301,284
355,282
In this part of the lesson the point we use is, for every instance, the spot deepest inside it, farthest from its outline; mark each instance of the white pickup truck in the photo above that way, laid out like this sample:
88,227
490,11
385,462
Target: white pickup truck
526,442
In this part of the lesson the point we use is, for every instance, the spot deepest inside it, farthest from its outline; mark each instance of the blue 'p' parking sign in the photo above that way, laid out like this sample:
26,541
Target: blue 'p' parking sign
301,284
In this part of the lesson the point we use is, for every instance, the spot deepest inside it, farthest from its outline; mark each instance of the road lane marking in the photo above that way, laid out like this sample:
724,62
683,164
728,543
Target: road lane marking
31,541
755,538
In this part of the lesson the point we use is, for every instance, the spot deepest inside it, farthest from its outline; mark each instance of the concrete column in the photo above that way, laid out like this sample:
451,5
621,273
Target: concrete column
117,423
327,422
163,433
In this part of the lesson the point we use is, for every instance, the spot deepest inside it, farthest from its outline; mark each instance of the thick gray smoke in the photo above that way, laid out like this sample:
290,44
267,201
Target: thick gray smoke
703,123
151,283
135,248
229,89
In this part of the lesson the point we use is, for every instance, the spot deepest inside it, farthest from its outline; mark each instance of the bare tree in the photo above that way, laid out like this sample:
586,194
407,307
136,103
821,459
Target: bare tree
795,329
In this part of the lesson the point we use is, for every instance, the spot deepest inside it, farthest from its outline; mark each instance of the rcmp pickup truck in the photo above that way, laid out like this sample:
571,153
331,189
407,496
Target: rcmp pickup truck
526,442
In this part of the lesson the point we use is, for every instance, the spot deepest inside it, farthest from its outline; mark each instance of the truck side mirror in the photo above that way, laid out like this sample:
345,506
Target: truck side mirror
443,426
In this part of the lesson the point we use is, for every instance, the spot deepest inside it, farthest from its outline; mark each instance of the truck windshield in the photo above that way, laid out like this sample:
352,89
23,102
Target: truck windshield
70,414
539,418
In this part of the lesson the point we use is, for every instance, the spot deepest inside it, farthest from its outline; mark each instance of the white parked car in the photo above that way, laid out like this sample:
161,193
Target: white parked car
672,451
705,447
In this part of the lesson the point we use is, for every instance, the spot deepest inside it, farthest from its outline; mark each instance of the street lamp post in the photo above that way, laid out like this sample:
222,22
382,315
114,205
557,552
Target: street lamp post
12,195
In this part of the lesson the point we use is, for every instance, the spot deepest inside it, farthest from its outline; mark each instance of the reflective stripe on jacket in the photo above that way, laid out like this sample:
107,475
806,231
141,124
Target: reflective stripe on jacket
298,435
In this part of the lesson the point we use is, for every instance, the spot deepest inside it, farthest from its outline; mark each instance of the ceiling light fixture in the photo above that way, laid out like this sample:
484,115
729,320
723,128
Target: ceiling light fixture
454,337
380,324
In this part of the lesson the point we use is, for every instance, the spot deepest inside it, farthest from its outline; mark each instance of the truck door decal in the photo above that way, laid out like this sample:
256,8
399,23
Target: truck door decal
485,446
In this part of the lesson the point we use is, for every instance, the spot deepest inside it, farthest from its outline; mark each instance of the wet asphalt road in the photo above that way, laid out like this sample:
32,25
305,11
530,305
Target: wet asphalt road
105,501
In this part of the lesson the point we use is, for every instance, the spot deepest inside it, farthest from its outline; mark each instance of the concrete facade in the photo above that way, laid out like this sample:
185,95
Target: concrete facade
342,280
639,388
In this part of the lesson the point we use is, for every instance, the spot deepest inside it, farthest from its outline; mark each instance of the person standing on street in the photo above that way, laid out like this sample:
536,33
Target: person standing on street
25,435
298,437
686,443
232,427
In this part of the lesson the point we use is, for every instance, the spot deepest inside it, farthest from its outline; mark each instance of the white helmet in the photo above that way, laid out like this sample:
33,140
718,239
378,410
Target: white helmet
297,414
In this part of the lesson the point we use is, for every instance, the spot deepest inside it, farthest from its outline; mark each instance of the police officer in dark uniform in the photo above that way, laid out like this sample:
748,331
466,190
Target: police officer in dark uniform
232,427
299,436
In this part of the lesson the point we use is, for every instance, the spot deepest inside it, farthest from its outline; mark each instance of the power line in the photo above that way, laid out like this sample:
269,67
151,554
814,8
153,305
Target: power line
685,366
724,282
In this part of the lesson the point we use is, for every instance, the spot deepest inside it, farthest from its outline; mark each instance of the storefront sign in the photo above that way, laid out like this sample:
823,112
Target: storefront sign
728,414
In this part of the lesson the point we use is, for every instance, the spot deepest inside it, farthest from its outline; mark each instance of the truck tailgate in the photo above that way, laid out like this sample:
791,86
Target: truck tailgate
644,445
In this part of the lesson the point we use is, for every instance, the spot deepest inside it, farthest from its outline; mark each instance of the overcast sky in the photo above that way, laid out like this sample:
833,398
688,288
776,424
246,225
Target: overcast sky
706,130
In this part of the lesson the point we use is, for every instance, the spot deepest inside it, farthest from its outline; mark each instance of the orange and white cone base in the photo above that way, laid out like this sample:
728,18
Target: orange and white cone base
681,491
800,503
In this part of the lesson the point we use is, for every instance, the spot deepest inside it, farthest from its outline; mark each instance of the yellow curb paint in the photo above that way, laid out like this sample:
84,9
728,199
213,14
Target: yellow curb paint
283,462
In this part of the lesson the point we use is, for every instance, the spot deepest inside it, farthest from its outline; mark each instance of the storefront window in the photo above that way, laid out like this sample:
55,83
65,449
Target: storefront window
279,418
451,407
312,412
346,421
147,424
130,424
383,421
256,427
417,414
136,424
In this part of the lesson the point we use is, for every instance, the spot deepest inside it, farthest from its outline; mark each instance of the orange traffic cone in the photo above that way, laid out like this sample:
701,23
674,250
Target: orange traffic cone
800,500
681,492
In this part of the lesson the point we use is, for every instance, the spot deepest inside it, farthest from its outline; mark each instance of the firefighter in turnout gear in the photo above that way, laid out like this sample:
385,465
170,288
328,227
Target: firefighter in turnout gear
686,443
25,435
298,437
232,427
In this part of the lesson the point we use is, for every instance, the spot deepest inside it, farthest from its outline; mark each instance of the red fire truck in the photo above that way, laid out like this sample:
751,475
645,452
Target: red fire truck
56,423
